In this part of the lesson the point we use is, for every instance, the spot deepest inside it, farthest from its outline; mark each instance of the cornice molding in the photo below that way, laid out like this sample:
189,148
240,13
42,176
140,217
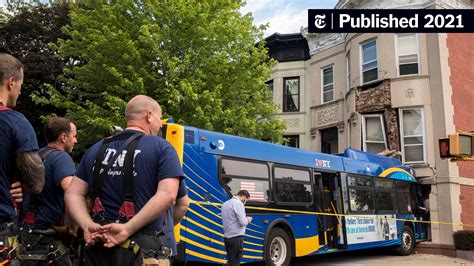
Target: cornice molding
318,42
403,4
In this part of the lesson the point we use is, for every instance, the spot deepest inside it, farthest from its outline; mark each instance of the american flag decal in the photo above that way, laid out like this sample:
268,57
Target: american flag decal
250,187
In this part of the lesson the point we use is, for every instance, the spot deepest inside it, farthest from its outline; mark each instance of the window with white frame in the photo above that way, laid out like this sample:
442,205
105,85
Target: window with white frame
291,94
373,133
369,61
327,84
412,135
407,47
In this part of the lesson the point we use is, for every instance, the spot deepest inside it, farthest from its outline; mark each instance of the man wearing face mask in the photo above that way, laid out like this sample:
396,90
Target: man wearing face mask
235,221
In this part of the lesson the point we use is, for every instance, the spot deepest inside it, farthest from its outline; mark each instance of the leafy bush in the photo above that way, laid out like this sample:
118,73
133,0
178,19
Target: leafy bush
464,240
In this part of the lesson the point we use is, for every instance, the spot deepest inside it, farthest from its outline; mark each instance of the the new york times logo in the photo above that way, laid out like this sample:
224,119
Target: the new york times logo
320,21
376,20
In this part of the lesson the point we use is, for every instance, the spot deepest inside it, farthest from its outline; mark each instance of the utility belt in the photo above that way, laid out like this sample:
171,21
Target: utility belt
147,245
41,245
144,235
8,243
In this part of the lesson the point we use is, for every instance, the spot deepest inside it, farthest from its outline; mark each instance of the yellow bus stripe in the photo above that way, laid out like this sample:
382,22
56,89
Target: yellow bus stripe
341,215
248,229
202,256
187,240
190,169
259,238
194,182
202,217
189,230
391,170
202,226
197,194
214,232
209,211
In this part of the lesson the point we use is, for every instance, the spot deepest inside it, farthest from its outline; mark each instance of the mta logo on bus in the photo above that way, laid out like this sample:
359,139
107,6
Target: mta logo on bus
323,163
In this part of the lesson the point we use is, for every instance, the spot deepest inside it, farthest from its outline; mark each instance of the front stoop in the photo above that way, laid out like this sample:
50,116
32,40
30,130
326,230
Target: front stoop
465,254
437,249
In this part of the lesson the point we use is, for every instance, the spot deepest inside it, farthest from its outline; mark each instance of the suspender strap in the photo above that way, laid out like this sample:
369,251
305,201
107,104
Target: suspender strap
29,216
127,210
100,171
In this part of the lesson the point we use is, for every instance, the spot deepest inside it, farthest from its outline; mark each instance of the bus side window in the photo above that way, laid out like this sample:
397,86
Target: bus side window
405,201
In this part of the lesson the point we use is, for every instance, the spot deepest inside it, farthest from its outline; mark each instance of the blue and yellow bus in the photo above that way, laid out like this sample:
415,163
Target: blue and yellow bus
302,202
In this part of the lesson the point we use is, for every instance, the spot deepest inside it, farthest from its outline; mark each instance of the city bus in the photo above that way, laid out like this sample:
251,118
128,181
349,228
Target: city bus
302,202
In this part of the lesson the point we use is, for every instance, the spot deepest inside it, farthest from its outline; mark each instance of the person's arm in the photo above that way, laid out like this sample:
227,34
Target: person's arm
180,208
16,192
72,227
240,213
31,169
151,211
76,204
66,182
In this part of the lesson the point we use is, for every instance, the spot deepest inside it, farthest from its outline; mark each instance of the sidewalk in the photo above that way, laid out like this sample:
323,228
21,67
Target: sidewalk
415,259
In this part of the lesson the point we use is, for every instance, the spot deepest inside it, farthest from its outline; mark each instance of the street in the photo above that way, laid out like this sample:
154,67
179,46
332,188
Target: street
372,257
378,257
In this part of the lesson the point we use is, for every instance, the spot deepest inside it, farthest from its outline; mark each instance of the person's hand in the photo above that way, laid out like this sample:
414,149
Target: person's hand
114,234
93,233
249,219
17,192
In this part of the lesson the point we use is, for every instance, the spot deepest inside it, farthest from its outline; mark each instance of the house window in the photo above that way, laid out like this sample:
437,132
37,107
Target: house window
407,54
412,135
291,94
270,85
373,133
327,84
292,141
369,61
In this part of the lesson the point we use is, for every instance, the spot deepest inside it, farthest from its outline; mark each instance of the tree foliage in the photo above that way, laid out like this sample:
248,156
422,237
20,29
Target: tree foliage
26,32
197,58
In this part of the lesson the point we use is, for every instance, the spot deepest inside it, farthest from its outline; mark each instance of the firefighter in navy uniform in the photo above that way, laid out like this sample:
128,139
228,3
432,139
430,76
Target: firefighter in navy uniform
42,231
132,180
18,155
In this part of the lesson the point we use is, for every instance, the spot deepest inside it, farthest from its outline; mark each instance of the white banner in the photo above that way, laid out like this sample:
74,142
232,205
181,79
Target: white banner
370,228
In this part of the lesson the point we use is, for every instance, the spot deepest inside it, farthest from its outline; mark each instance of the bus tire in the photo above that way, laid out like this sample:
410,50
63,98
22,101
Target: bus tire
278,248
408,241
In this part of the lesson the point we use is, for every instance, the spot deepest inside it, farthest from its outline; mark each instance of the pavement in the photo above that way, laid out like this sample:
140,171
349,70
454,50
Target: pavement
372,257
379,257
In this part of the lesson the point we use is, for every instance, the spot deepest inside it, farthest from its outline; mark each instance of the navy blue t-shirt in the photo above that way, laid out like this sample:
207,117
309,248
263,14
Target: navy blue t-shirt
155,160
50,202
169,239
16,135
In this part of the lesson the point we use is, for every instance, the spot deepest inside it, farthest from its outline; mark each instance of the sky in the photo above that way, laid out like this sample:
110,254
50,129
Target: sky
284,16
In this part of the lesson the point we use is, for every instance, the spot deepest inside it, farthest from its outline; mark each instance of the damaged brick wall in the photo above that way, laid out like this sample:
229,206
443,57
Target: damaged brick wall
377,99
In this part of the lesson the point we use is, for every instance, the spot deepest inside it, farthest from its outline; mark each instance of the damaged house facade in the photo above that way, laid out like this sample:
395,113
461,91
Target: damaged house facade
388,93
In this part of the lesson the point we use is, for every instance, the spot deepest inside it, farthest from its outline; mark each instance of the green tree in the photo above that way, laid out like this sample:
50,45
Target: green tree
26,32
197,58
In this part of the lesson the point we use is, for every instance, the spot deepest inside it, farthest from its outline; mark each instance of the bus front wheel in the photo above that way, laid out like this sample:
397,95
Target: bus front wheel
278,248
408,241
